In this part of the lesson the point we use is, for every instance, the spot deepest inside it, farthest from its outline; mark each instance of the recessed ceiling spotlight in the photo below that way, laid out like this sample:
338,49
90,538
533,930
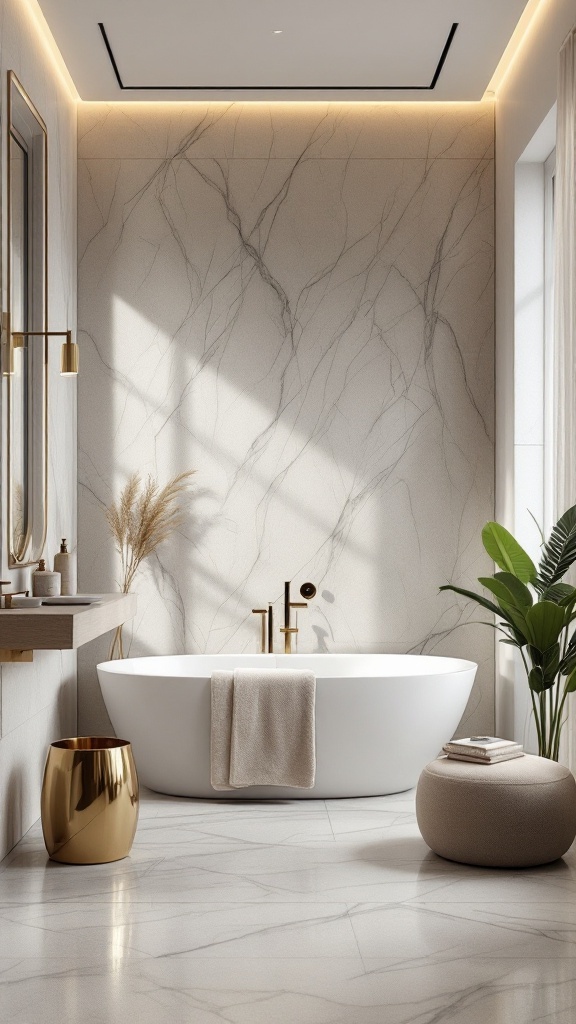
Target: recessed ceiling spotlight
277,31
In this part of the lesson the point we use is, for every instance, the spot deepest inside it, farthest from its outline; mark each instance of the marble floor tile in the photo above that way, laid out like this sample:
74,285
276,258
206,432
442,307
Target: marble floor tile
447,931
284,913
279,826
169,929
327,871
481,990
549,884
324,878
29,876
518,929
298,991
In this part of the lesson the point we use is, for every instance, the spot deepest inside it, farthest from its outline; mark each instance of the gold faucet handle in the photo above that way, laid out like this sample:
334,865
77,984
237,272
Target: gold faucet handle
288,631
263,612
298,604
8,597
8,583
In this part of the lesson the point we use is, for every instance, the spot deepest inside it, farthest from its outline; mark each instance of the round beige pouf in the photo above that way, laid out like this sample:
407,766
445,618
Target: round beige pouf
514,814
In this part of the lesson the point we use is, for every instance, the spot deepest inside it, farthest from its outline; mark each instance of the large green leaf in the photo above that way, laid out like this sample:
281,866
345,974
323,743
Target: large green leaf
545,622
571,682
550,664
500,590
536,680
559,551
518,593
475,597
544,667
521,592
505,550
569,660
568,664
506,600
517,617
560,593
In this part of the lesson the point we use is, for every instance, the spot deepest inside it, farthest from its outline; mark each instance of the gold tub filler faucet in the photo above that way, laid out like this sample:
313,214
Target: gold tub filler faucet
307,591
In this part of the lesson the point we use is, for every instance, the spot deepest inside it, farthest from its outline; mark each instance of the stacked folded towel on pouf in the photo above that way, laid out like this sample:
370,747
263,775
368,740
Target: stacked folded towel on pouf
483,750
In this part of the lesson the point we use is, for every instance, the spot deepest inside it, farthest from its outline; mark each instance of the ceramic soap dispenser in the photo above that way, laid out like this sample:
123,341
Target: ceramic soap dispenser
44,582
65,564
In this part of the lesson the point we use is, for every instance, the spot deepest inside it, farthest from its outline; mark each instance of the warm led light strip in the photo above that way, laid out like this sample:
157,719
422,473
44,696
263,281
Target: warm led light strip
527,26
294,104
43,32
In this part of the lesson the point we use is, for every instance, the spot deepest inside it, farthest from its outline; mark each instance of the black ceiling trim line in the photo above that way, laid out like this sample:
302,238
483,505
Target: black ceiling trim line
280,88
111,56
443,55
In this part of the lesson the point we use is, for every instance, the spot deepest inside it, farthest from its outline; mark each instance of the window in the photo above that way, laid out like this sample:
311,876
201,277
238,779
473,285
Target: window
549,460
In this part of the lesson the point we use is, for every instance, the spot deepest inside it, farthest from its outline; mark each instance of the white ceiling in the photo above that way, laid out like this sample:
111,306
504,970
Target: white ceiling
341,49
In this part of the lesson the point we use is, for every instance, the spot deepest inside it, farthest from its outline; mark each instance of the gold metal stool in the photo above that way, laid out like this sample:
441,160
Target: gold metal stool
89,800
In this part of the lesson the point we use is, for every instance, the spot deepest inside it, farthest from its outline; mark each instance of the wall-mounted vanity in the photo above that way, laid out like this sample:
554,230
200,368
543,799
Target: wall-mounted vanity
60,628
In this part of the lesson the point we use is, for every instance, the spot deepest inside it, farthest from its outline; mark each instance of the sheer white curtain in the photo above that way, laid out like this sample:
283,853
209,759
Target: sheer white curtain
565,302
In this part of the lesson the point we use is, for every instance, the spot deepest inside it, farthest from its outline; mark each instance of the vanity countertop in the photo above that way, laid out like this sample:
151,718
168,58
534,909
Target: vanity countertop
63,627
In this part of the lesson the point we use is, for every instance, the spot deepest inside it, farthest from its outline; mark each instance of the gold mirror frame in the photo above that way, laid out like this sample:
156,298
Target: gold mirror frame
27,556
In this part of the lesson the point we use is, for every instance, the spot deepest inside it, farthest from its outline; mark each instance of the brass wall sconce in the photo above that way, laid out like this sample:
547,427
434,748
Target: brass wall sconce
69,358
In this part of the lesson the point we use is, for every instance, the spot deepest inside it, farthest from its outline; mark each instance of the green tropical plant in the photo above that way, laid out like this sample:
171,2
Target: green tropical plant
535,610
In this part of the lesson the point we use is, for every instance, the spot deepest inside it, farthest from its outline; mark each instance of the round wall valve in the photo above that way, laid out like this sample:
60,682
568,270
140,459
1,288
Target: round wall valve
308,590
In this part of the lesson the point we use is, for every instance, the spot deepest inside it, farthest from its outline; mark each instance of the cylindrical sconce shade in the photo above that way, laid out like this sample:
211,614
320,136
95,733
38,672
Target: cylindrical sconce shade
69,358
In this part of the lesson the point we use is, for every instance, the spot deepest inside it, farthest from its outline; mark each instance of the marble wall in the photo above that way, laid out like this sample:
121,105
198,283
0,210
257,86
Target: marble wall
297,302
38,700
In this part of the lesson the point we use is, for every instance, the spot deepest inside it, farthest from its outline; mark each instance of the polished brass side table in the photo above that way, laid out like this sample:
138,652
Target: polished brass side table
89,800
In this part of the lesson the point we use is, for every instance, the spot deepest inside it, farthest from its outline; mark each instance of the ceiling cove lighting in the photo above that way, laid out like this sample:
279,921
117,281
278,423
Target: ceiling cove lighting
528,25
201,105
42,30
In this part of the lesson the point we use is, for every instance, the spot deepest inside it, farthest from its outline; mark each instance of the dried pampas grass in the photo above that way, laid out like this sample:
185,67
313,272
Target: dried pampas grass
144,516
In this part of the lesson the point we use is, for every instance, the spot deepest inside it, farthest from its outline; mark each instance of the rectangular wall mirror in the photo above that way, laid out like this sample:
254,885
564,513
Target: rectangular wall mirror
27,291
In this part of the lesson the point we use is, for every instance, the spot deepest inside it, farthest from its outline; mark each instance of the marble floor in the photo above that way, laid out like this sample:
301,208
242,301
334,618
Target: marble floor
322,912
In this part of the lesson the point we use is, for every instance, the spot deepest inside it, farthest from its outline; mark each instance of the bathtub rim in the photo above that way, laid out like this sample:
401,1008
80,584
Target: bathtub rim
119,666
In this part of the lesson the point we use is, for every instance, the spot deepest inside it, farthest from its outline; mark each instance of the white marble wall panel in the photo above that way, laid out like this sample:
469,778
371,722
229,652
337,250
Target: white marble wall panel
38,701
296,301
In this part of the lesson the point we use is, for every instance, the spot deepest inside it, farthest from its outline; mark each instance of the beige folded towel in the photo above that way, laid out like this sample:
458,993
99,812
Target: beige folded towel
263,728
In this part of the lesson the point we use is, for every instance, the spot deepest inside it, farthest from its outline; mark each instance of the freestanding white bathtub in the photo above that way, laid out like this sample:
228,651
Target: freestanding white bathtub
379,718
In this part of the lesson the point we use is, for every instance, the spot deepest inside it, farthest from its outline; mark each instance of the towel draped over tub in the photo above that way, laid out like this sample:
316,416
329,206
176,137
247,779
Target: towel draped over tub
263,728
